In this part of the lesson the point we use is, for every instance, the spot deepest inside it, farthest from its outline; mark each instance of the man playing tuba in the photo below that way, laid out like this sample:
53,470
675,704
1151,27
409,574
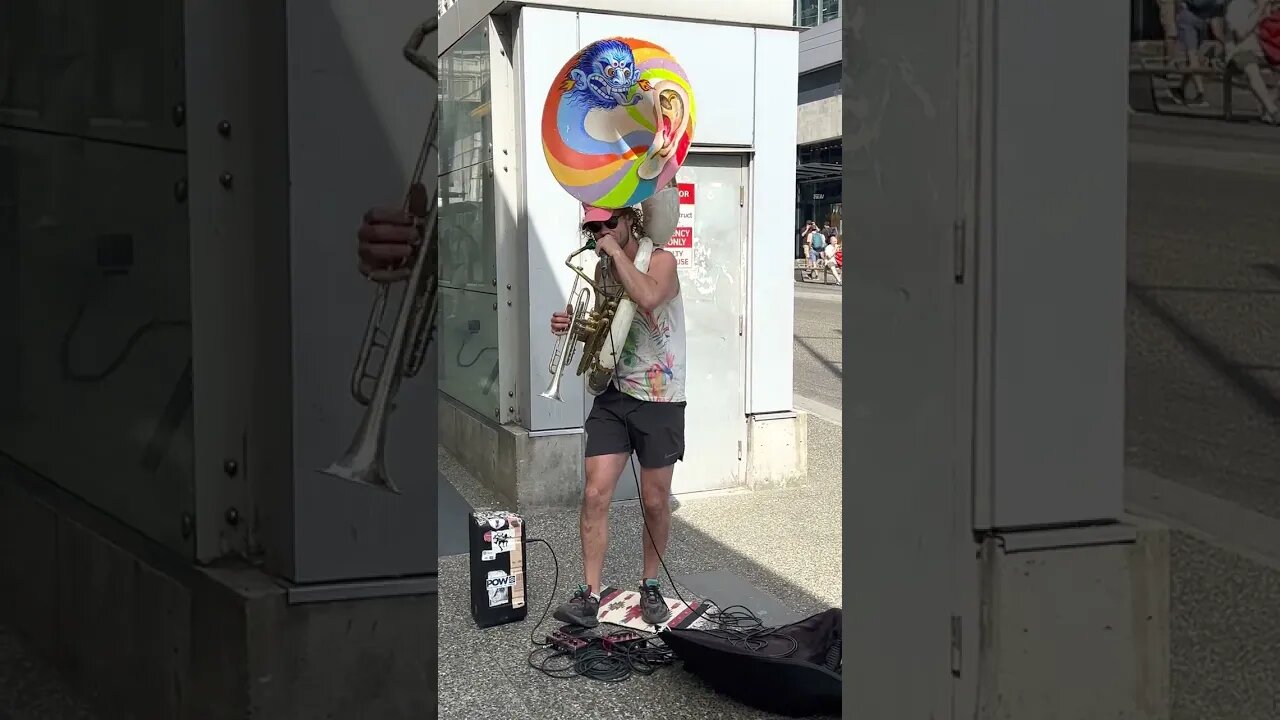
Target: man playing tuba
642,409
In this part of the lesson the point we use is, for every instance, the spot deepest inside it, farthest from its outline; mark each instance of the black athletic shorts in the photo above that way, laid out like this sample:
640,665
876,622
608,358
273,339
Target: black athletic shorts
619,423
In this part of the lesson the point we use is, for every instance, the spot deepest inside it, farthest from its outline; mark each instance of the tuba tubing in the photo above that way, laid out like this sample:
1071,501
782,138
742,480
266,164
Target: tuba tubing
618,330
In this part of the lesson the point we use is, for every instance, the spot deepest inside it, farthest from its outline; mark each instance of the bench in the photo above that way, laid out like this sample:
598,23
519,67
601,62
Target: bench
1142,86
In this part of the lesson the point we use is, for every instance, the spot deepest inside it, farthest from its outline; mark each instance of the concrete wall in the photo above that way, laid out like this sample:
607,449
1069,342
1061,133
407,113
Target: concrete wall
820,120
818,117
141,634
1041,650
1055,624
462,15
820,46
733,111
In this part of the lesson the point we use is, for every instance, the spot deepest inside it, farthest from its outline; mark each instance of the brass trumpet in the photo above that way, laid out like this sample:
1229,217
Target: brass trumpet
405,345
602,330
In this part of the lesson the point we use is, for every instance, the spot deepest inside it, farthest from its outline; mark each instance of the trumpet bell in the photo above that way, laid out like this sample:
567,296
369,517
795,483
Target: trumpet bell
372,474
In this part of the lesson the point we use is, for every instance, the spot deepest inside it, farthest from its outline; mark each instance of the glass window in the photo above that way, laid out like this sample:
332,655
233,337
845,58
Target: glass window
95,333
830,11
468,321
807,13
21,70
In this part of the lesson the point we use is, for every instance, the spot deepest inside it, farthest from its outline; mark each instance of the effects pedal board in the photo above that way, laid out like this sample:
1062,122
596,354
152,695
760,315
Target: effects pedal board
498,555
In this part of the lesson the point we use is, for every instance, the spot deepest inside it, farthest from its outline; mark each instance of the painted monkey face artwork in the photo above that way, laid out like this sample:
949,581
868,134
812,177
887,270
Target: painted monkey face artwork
617,121
604,76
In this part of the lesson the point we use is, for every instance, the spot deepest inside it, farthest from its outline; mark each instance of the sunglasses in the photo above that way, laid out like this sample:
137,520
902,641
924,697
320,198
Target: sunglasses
594,227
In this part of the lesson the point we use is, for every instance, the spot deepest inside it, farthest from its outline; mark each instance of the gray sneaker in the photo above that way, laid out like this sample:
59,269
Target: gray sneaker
653,607
581,609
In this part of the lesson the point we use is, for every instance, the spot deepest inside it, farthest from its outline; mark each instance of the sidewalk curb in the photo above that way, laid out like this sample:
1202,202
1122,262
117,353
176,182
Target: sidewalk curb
820,410
819,296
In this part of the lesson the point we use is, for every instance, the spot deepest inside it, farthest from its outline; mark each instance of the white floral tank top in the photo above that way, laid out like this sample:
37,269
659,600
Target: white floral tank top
651,364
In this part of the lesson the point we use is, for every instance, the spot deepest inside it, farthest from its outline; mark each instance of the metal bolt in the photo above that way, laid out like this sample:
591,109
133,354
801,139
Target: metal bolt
495,306
226,179
495,283
180,190
224,129
230,467
233,516
511,393
188,525
179,114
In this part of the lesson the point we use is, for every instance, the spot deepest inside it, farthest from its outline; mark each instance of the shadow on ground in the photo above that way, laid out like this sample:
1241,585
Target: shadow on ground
785,542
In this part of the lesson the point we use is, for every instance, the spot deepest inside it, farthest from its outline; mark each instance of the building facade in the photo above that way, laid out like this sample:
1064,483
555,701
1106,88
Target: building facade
180,317
818,118
507,228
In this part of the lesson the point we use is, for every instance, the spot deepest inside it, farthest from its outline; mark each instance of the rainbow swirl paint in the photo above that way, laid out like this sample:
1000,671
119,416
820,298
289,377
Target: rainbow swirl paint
617,122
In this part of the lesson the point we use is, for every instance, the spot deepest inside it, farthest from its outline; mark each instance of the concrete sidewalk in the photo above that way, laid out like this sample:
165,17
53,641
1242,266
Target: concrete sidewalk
32,689
785,542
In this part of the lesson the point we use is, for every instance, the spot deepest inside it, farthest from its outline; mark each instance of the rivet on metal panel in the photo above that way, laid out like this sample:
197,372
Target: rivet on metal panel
233,516
188,525
224,129
179,114
511,393
180,190
495,306
230,467
511,409
226,179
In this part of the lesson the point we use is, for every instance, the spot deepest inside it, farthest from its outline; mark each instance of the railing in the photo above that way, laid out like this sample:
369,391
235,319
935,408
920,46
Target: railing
1143,71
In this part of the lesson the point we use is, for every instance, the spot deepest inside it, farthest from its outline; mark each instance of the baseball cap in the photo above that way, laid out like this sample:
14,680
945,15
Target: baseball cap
595,214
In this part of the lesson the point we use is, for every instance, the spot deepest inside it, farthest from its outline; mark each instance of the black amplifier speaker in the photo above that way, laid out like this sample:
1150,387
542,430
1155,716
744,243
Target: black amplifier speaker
498,546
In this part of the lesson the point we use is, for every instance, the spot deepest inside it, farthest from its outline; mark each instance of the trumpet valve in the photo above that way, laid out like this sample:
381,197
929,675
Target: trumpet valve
588,323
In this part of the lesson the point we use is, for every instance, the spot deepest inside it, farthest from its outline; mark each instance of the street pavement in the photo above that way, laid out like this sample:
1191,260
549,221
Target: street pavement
1203,400
1203,321
818,364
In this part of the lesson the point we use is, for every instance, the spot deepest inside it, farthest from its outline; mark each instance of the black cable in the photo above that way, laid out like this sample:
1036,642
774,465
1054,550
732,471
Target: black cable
555,584
69,373
742,628
594,661
609,658
479,354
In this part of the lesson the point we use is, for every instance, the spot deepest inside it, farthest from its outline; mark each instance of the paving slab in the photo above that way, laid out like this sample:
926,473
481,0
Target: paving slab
757,546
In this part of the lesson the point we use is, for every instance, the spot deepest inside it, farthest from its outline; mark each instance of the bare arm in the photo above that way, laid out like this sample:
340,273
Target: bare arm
599,297
648,289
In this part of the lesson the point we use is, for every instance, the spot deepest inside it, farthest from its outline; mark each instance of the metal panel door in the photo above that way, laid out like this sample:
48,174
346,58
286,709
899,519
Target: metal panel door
710,248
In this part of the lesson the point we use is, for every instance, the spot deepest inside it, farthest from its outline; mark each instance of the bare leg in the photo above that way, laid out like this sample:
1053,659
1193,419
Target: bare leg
655,489
602,477
1193,80
1259,87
